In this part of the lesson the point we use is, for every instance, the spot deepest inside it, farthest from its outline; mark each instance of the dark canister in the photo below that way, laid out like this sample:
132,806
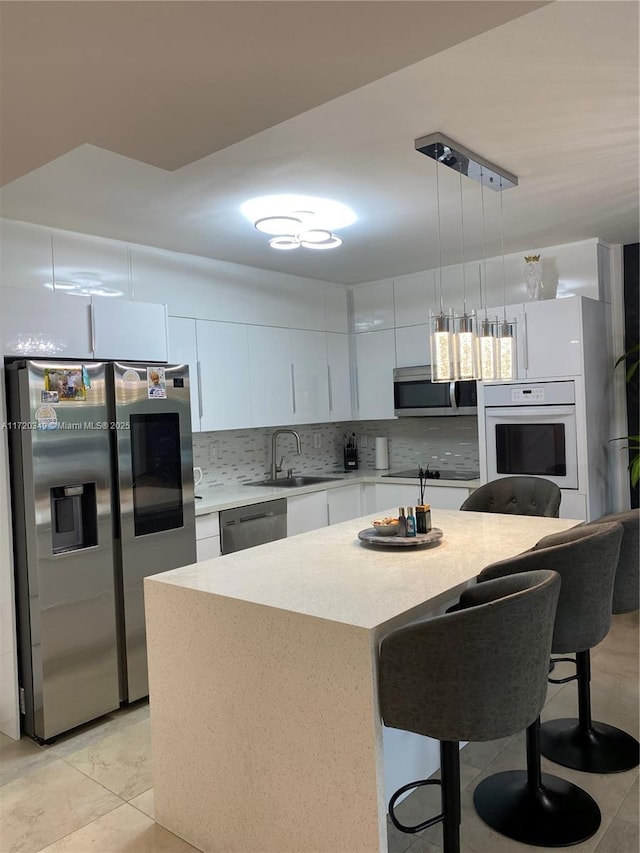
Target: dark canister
423,518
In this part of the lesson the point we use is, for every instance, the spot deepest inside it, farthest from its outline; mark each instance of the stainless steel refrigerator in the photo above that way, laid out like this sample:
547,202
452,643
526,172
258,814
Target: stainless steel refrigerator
102,495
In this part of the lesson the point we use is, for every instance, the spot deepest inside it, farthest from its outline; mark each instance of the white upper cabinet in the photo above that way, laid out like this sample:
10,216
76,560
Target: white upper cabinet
412,346
135,331
26,258
548,336
375,358
271,379
414,298
339,377
373,307
45,324
309,376
92,263
183,350
336,309
223,356
554,338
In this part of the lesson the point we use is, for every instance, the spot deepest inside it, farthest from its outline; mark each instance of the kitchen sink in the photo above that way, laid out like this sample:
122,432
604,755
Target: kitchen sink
293,482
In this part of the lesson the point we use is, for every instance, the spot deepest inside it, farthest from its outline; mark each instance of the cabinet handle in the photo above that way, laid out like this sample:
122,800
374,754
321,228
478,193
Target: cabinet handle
329,384
93,329
199,380
526,341
293,388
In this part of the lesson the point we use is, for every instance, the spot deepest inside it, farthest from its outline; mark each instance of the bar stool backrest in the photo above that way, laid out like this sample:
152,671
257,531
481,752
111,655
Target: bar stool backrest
626,588
586,558
479,673
516,496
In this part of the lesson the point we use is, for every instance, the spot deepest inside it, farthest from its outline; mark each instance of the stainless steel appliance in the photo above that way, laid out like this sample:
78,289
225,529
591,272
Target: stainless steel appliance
102,495
530,428
246,526
415,395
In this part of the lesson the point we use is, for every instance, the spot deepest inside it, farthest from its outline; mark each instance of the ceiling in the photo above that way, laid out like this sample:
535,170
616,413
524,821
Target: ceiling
152,122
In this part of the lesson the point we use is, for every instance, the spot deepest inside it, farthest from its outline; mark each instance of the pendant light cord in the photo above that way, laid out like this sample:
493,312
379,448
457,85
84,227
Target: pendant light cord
464,274
483,302
504,275
439,237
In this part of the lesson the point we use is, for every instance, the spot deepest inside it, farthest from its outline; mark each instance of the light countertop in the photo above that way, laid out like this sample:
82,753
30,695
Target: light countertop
237,494
329,574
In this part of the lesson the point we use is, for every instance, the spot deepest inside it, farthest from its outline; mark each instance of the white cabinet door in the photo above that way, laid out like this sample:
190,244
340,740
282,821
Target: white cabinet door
183,350
129,331
373,307
344,503
446,497
554,338
45,324
412,346
26,257
375,358
93,263
391,496
339,377
306,512
271,377
309,376
414,297
207,536
223,354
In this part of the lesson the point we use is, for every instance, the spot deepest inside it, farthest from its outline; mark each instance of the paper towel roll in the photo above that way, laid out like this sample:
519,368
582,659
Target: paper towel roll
382,453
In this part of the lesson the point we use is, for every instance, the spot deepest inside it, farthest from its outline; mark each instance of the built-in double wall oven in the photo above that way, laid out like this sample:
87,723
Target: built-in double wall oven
530,428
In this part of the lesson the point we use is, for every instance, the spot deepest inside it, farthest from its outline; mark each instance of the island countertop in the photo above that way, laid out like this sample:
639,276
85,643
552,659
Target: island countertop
329,574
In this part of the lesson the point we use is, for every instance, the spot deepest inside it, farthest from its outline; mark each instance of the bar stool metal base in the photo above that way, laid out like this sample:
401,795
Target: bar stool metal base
600,748
556,814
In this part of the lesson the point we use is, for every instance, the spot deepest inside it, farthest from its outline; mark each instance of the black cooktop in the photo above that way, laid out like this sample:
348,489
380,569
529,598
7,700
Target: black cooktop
436,475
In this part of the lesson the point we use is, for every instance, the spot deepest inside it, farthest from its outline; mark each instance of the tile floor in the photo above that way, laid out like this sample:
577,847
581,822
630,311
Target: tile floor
91,791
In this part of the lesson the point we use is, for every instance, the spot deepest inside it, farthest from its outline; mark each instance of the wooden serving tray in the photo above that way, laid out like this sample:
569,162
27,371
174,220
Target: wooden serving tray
372,537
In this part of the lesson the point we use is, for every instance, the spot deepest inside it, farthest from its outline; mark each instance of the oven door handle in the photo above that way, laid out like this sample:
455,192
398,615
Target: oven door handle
537,413
452,397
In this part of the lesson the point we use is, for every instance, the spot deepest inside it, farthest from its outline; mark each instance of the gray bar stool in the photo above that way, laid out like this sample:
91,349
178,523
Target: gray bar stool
586,560
475,674
582,743
516,496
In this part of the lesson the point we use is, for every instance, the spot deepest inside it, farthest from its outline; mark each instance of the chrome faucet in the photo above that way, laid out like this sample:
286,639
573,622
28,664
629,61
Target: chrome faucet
275,469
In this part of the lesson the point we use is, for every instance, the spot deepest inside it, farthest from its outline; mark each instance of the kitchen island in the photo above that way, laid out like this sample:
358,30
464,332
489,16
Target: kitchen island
263,685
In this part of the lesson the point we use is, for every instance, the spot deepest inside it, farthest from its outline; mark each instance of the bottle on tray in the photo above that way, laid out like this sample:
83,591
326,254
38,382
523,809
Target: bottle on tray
411,522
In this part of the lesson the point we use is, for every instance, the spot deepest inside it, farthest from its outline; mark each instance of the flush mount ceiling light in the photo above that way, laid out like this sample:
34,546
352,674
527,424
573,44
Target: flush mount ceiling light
453,339
299,221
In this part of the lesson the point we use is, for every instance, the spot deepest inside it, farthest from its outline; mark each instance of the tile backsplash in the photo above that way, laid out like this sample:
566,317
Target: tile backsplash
242,456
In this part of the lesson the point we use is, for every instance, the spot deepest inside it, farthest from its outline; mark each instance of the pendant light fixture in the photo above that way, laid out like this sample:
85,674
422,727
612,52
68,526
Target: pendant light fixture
456,350
465,326
506,343
443,362
485,338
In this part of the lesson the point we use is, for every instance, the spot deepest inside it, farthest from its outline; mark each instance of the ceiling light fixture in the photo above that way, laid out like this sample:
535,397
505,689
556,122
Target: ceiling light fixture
456,356
299,221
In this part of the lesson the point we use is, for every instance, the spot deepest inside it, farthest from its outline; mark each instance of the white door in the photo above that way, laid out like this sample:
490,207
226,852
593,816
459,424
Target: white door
339,377
223,354
271,378
183,350
375,358
309,376
129,331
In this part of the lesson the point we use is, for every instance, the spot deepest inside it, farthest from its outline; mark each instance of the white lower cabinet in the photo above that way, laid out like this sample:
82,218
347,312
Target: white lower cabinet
388,495
207,536
344,503
306,512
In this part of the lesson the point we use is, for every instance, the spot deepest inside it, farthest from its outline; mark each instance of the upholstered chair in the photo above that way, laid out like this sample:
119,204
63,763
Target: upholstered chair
516,496
626,587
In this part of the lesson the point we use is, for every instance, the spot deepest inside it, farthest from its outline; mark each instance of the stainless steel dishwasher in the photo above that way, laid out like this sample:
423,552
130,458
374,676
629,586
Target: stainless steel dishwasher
246,526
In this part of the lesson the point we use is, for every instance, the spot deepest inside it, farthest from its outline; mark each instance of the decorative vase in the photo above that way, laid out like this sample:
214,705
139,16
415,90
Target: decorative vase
533,276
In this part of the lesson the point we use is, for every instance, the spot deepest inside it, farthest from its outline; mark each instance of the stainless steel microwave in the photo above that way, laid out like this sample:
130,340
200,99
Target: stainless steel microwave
415,395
